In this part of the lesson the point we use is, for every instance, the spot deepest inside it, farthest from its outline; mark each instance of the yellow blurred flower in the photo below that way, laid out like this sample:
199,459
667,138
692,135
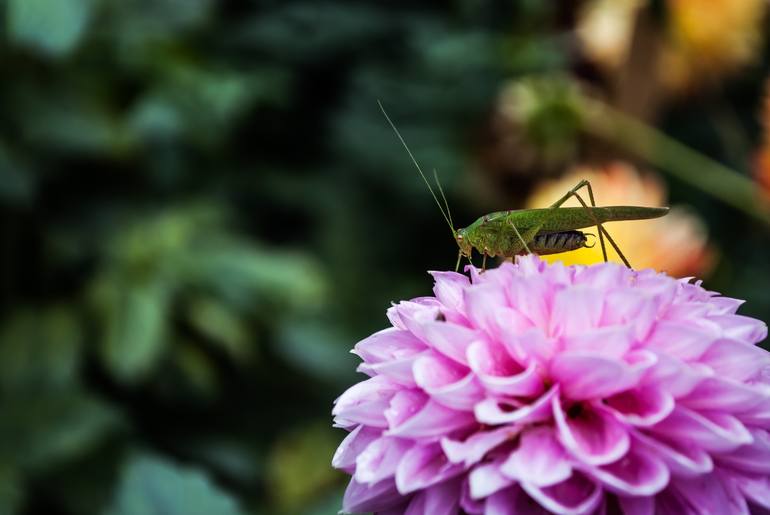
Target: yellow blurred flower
710,38
676,243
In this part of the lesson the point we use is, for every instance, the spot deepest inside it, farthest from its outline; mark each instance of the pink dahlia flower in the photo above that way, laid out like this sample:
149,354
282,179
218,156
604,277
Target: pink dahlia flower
536,388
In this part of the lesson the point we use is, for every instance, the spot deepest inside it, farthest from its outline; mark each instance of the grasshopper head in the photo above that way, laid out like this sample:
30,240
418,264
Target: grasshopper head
461,237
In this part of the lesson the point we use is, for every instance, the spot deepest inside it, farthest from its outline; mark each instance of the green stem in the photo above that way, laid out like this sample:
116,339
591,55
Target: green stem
675,158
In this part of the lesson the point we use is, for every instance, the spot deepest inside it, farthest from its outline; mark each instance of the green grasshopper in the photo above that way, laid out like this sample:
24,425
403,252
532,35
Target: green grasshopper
542,231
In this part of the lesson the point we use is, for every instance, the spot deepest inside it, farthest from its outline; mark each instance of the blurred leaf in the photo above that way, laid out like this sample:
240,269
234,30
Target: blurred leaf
196,367
10,490
151,486
52,28
44,429
318,349
221,325
299,465
16,182
39,350
135,317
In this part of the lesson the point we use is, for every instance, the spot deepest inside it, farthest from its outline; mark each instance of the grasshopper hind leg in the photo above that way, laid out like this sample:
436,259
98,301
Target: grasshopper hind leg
600,228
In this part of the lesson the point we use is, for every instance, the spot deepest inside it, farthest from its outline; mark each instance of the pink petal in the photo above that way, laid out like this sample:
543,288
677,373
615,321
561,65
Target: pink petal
490,410
512,501
576,310
736,360
683,459
430,421
540,459
353,444
387,345
591,376
403,406
633,308
529,296
642,406
404,314
380,459
742,328
423,466
501,375
451,340
725,305
486,479
365,403
755,488
398,370
753,458
676,377
365,498
576,495
448,383
718,394
592,435
441,499
611,342
707,491
476,446
636,473
637,505
449,289
481,302
680,340
529,345
462,395
467,503
716,432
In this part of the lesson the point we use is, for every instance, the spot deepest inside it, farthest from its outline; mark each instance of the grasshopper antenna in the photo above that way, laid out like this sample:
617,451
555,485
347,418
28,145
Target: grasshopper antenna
443,197
425,180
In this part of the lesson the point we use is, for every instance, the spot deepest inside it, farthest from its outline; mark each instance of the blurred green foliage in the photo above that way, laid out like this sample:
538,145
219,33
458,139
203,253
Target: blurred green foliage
203,210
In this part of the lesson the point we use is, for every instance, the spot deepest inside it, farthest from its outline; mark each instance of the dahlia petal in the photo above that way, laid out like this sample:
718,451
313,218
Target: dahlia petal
725,305
680,340
676,377
430,421
462,395
735,359
365,403
353,444
451,340
487,479
576,495
397,370
365,498
423,466
529,345
447,383
576,310
476,446
637,308
380,459
467,503
637,505
741,328
590,376
540,459
529,296
406,312
489,410
636,473
755,488
641,406
603,277
682,459
501,375
481,300
710,493
449,287
716,432
387,345
512,501
611,342
718,394
593,436
752,458
441,499
403,406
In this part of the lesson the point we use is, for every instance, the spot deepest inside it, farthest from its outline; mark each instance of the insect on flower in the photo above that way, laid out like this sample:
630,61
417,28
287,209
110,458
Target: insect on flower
541,231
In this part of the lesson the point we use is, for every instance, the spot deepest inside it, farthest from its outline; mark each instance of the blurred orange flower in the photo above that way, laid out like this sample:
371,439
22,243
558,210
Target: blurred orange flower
762,157
605,29
676,243
710,38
